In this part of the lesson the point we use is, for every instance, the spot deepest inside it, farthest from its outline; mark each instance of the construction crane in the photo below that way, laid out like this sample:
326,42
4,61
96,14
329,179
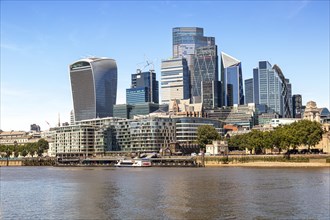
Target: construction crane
151,71
146,63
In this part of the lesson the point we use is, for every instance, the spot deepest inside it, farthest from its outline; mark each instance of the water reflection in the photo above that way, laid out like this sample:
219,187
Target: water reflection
164,193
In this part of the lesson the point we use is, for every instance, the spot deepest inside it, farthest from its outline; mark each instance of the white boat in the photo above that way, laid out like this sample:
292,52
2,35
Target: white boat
133,163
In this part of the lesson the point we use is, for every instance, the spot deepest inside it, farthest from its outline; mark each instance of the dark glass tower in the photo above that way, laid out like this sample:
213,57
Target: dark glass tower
297,106
249,91
94,87
144,88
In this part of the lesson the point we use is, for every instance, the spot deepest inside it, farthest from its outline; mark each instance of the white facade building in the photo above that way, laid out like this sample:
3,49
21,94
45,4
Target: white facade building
174,79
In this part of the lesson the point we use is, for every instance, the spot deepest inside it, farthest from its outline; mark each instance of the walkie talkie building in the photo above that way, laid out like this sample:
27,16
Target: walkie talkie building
94,87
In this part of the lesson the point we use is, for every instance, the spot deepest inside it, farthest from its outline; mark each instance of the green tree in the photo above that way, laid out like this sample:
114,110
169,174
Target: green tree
309,132
255,141
236,141
42,144
206,134
24,152
268,140
31,148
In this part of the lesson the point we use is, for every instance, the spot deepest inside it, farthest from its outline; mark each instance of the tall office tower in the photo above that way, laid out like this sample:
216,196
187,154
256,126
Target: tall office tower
209,96
297,106
232,80
205,70
174,79
271,89
144,88
94,87
289,95
248,91
185,41
286,93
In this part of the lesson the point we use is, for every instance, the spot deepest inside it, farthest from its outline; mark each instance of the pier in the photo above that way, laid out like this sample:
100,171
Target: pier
111,161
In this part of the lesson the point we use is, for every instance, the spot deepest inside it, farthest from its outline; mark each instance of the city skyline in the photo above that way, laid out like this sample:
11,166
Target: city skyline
39,40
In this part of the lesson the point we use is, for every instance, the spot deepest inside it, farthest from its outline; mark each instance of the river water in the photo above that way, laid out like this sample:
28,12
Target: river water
164,193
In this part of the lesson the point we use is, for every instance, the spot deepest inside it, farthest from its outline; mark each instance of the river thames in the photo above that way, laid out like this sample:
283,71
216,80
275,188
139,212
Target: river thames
164,193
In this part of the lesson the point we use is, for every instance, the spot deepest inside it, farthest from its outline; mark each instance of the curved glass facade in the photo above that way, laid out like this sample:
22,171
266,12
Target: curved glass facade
94,87
186,128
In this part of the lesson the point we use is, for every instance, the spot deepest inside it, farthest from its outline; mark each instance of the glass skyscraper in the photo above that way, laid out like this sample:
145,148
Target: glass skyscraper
137,95
209,94
185,41
205,70
248,91
232,81
174,79
297,106
271,88
94,87
144,88
289,95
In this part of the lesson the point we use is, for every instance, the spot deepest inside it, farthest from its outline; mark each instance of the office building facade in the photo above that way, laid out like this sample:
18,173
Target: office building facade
205,70
137,95
297,106
185,41
209,96
129,111
186,128
248,83
94,87
144,88
122,111
232,81
174,79
271,88
35,128
289,95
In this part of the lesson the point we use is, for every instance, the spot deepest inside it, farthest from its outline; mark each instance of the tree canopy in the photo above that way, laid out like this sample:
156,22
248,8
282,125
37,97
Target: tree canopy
303,132
206,134
24,149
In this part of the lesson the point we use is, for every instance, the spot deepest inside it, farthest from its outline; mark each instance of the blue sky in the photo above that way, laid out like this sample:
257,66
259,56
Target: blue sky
40,39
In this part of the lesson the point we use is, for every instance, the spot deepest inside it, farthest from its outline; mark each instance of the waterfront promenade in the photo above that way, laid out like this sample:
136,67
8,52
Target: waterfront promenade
266,161
270,164
207,161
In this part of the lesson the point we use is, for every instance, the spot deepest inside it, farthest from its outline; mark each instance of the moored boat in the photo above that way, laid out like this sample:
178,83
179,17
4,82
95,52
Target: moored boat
133,163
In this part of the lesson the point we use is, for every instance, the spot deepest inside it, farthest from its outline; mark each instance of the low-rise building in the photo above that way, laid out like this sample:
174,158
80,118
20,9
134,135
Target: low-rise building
217,148
184,108
239,115
186,128
275,122
148,133
17,137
